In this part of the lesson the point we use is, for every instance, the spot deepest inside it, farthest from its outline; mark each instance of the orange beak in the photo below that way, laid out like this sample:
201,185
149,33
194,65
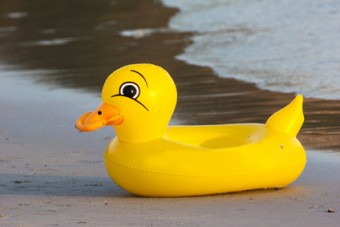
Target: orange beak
103,115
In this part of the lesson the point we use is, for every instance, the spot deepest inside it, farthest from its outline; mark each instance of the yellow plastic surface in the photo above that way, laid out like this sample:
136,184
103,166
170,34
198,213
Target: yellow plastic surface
149,158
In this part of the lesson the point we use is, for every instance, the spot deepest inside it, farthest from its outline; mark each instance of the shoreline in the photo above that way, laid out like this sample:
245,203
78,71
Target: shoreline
203,96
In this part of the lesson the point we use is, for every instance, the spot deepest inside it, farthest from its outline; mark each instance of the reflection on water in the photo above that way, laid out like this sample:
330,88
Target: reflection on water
80,42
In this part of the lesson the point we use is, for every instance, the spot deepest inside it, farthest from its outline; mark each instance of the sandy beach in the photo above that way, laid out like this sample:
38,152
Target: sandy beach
52,175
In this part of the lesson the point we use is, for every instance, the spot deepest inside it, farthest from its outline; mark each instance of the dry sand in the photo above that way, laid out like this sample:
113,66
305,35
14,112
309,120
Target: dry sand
51,175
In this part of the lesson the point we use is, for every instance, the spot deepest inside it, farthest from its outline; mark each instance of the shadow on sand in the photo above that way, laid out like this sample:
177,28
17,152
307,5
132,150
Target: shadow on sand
19,184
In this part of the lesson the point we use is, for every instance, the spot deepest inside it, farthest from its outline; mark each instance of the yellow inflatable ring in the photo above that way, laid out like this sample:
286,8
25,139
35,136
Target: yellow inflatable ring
150,158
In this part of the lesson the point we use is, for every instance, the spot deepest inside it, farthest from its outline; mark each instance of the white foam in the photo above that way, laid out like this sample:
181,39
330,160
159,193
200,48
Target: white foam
17,15
286,46
143,32
52,42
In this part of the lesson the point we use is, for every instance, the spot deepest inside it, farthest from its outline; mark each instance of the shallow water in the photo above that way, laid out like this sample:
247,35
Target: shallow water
76,44
283,46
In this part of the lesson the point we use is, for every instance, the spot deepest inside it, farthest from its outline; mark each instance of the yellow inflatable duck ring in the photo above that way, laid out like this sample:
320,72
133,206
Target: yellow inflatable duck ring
150,158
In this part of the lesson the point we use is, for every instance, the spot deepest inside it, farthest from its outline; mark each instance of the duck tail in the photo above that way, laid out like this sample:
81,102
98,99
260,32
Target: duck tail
289,119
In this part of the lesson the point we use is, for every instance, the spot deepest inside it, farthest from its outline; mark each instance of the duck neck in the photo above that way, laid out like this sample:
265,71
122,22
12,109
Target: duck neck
139,135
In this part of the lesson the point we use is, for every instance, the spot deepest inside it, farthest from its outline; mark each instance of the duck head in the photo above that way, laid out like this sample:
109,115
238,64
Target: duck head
138,100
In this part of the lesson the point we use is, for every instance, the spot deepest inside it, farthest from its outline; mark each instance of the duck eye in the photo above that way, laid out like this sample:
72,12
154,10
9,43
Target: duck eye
130,90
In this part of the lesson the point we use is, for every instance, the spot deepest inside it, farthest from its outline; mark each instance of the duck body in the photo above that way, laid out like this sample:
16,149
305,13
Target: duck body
196,160
200,160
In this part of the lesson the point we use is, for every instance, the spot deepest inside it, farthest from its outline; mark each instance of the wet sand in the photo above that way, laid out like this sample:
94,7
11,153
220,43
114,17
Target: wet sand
51,175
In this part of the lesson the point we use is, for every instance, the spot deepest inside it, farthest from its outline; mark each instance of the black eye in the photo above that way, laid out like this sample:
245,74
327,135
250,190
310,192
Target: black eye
130,90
